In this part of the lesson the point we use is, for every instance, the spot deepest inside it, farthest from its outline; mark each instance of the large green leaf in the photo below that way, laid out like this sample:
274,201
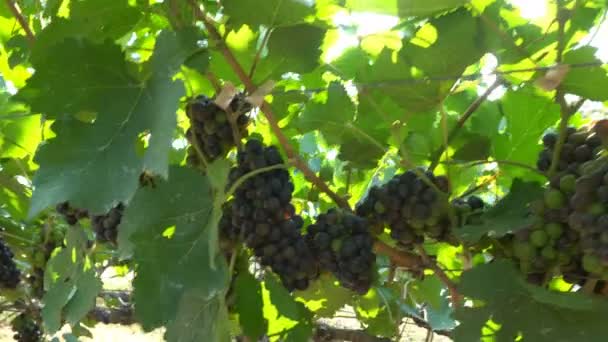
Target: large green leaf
167,225
511,213
269,13
527,116
520,308
94,165
287,307
93,19
404,8
249,305
325,296
589,82
71,284
285,56
458,36
332,116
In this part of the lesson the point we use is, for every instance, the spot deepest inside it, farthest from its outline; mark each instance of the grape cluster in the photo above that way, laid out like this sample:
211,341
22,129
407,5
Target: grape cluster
9,273
579,147
468,210
570,219
210,127
70,214
263,212
26,329
343,245
229,228
410,206
106,226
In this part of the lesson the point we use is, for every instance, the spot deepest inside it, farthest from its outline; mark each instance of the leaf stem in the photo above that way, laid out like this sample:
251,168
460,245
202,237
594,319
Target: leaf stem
245,177
19,16
265,108
436,156
258,54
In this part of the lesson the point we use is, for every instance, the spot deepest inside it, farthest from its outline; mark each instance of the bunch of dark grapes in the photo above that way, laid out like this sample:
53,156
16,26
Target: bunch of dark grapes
210,127
106,226
468,210
229,228
566,236
9,273
26,329
343,245
579,147
70,214
411,207
263,212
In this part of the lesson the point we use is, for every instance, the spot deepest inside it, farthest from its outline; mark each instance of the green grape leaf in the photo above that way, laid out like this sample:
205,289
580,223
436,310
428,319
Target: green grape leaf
269,13
171,247
103,169
249,305
287,307
92,19
476,147
325,296
527,116
518,307
374,309
70,283
589,82
331,117
389,76
404,8
83,300
511,213
457,35
200,317
285,56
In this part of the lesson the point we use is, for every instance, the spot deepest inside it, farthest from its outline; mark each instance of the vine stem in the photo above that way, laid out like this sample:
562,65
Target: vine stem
255,172
265,108
454,295
24,25
500,161
560,95
258,54
463,118
399,258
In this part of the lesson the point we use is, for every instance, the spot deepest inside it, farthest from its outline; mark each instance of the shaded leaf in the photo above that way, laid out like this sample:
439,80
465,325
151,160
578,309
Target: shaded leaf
511,213
269,13
513,304
249,305
588,82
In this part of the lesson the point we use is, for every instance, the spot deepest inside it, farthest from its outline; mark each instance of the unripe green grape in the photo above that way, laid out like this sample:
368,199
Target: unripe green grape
548,252
554,230
596,209
523,250
567,183
539,238
592,264
554,199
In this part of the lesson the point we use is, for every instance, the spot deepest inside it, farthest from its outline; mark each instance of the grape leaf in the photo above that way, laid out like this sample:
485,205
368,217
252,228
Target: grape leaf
518,307
269,13
511,213
331,117
325,296
171,248
285,56
589,82
200,317
404,8
249,305
71,285
83,300
476,147
92,19
289,308
458,36
527,116
102,170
